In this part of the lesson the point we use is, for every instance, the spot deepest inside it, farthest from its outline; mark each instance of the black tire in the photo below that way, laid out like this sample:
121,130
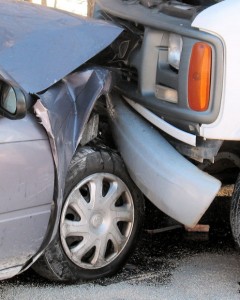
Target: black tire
235,213
55,264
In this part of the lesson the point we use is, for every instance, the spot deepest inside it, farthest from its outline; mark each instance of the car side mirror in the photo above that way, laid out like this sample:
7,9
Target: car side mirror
12,101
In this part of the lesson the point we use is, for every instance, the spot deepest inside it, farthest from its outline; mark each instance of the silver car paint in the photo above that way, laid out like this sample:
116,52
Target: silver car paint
39,46
19,131
26,186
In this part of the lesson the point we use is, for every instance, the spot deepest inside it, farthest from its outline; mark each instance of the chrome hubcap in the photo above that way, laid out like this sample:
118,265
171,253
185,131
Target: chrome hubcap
97,220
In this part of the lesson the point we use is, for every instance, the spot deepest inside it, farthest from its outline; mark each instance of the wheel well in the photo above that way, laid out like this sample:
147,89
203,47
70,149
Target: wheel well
226,163
103,137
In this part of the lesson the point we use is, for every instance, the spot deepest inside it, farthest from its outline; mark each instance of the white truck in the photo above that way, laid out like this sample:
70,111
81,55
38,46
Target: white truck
174,110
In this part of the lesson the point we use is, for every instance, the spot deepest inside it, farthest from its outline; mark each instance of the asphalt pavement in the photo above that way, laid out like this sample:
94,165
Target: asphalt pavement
169,265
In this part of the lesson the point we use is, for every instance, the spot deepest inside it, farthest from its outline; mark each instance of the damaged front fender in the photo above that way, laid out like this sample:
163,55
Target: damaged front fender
64,110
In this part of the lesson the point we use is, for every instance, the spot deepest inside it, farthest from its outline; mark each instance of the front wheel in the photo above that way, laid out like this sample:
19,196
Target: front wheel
100,220
235,212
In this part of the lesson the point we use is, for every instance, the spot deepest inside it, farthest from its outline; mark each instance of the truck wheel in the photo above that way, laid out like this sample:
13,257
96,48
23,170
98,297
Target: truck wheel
235,212
100,220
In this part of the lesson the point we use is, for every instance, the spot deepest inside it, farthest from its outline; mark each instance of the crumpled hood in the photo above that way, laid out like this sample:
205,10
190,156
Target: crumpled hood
39,46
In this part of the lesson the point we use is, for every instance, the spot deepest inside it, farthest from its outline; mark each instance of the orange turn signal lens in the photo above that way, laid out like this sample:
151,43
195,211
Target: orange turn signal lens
199,77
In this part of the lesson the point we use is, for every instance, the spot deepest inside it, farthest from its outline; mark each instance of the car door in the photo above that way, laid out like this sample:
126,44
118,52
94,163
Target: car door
26,187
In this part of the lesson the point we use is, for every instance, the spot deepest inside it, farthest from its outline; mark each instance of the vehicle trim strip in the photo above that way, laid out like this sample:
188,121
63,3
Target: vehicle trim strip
178,134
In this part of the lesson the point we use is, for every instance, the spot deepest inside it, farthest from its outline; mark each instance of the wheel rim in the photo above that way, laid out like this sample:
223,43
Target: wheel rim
97,221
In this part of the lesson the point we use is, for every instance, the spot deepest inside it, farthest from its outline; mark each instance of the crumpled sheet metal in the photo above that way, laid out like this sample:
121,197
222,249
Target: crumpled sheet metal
39,46
64,110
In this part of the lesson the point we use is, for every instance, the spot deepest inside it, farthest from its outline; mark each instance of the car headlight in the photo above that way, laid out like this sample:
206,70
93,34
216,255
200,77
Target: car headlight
175,50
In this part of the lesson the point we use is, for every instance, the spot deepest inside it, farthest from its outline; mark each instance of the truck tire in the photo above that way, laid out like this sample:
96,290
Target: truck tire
235,212
100,220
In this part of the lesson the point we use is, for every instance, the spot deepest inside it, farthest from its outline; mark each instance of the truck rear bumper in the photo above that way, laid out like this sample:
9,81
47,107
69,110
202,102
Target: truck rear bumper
172,183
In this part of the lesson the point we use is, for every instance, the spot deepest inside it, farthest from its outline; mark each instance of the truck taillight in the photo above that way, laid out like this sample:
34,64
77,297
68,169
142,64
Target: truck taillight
199,77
